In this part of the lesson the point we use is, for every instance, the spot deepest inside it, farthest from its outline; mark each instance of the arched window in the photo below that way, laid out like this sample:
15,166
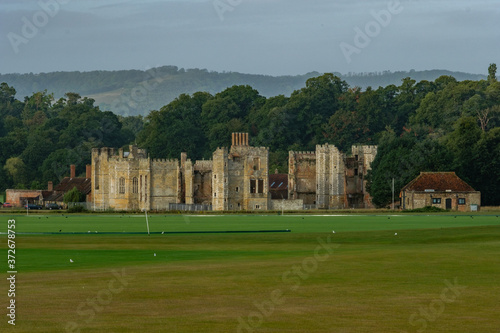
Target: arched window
121,185
135,185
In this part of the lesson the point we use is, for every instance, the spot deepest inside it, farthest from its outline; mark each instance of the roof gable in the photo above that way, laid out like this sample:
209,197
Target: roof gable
82,184
438,182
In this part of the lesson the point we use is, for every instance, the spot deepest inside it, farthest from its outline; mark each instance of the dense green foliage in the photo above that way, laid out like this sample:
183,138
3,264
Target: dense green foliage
136,92
40,137
74,195
440,125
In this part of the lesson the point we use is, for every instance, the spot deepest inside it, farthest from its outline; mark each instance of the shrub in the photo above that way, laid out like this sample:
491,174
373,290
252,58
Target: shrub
77,209
74,195
426,209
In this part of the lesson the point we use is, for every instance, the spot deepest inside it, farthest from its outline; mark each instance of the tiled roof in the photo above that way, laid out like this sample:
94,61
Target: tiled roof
439,182
278,181
55,197
82,184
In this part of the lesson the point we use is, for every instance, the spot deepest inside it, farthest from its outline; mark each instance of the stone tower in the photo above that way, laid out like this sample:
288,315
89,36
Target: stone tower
361,161
133,181
329,177
302,176
220,176
241,176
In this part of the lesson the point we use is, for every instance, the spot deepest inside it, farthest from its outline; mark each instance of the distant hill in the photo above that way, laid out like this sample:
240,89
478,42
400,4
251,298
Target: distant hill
132,92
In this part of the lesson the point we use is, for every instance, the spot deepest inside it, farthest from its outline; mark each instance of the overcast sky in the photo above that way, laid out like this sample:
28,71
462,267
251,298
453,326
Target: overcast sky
272,37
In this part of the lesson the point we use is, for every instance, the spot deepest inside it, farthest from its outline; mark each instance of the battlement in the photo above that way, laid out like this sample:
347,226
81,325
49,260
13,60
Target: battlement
220,151
247,150
104,151
364,149
298,155
133,153
327,148
168,163
203,165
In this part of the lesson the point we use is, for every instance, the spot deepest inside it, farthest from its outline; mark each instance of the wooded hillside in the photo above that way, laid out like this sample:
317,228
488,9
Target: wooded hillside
137,92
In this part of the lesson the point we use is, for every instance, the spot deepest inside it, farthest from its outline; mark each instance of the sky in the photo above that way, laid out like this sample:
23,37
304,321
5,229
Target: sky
272,37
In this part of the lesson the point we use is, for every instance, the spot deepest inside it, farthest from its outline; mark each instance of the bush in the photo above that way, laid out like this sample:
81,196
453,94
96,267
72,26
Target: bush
77,209
426,209
74,195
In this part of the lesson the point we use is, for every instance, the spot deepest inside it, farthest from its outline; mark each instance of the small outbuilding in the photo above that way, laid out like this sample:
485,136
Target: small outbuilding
440,189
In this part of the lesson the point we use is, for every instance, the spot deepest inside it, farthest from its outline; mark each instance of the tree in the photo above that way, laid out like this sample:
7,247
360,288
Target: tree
492,73
462,143
176,128
487,167
16,168
402,159
314,105
73,195
486,115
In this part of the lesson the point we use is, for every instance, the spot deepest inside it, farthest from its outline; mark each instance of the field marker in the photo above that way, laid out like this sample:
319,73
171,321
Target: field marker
147,222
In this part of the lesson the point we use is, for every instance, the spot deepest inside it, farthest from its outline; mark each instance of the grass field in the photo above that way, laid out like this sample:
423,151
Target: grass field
438,274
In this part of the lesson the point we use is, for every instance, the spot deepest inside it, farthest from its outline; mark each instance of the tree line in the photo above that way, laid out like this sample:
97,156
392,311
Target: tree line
440,125
126,92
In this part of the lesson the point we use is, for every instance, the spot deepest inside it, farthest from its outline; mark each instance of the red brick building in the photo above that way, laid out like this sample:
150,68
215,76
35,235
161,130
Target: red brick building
19,198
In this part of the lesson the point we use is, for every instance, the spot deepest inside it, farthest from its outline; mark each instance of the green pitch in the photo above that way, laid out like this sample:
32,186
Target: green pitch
374,274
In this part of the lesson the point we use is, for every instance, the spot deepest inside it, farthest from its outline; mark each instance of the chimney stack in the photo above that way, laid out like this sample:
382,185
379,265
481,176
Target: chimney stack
183,160
72,171
88,171
50,186
239,139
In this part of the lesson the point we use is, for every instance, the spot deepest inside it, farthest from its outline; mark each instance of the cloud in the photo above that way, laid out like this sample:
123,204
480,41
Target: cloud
257,36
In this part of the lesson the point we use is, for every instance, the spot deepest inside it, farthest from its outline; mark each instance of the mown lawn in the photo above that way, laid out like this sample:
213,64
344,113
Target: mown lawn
362,278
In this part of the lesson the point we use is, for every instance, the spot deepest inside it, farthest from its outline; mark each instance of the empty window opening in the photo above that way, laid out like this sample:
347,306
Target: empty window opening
261,186
253,186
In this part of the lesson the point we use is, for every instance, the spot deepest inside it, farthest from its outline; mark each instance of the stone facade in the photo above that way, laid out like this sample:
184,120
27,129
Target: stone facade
286,205
328,179
302,176
235,179
241,176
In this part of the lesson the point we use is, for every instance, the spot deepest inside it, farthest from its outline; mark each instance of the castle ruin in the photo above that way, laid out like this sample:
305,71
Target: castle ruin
235,179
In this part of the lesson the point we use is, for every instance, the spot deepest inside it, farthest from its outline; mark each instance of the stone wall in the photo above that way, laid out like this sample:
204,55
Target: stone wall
165,184
202,182
247,176
329,177
460,201
287,205
364,156
13,196
302,176
132,181
219,179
